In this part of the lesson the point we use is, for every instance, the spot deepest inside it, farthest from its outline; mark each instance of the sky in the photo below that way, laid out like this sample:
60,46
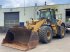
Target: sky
20,3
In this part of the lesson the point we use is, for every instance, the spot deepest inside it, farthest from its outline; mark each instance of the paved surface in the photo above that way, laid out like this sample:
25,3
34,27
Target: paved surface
57,45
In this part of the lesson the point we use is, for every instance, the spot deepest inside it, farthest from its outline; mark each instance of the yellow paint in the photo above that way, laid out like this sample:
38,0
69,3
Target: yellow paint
59,22
35,25
39,24
54,27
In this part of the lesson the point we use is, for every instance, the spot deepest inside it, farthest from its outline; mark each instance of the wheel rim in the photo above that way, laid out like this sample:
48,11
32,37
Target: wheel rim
48,35
62,32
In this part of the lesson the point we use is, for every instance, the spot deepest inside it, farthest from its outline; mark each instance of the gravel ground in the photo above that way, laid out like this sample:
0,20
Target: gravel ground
57,45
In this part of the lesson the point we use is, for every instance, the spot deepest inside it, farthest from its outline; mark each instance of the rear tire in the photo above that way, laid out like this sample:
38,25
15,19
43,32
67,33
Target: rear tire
45,34
61,32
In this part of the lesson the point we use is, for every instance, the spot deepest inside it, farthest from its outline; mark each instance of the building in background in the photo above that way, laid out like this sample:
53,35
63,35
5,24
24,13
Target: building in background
13,16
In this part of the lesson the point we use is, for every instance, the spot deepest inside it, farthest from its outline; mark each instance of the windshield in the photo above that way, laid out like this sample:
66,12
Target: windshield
45,14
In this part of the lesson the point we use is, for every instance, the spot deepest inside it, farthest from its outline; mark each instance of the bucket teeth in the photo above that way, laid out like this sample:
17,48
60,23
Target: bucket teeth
21,37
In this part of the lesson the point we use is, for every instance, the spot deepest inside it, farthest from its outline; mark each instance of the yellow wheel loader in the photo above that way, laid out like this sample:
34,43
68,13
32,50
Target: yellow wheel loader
41,30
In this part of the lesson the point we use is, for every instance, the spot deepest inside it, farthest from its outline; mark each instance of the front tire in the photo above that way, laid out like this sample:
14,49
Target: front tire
45,34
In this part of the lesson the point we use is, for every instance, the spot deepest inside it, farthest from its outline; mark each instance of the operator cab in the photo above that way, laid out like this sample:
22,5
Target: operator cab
48,14
44,14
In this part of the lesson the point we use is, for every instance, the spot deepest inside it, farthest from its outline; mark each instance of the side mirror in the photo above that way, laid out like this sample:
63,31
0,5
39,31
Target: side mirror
32,19
38,12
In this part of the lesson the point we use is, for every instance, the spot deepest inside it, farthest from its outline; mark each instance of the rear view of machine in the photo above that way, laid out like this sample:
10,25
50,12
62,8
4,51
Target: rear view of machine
43,30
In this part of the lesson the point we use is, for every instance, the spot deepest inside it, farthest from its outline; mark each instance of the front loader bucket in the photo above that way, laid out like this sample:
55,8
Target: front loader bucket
21,38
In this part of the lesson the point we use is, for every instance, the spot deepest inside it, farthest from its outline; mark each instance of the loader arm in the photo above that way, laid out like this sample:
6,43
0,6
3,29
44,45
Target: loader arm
38,25
35,25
